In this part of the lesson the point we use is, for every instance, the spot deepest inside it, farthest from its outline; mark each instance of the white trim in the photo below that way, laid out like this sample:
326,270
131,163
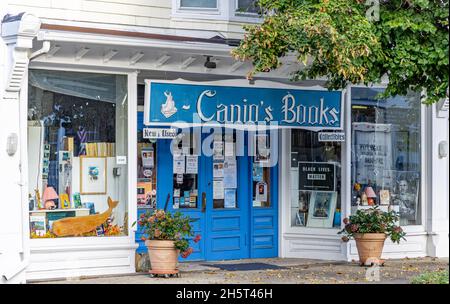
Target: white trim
347,166
283,184
132,151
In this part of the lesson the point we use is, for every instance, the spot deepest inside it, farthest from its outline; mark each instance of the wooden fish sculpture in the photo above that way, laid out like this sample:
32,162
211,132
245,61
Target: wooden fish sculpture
76,226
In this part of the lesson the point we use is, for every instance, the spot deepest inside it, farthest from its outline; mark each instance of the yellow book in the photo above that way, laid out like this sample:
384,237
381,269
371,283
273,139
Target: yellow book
70,144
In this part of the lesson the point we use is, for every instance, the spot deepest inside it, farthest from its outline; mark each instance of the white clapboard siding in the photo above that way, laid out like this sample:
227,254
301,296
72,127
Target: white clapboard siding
125,13
131,13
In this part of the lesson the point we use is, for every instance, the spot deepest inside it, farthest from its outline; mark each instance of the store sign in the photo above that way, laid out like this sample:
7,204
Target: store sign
158,133
331,137
316,176
177,102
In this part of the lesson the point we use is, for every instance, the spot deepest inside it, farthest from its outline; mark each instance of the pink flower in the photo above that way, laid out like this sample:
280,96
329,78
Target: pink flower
346,221
151,219
398,229
160,214
354,228
197,238
157,233
187,253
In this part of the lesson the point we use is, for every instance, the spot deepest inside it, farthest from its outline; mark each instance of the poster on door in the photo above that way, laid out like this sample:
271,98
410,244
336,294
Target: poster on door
372,153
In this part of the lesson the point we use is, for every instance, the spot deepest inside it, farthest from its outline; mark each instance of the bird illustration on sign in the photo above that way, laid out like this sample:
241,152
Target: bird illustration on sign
168,108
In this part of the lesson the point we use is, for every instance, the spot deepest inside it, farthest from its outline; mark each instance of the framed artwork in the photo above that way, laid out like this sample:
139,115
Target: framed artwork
93,179
385,197
322,206
300,218
262,149
406,194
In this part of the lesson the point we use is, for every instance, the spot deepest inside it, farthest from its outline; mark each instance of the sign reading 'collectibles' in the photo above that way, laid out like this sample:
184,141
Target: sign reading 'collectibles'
316,176
179,102
331,136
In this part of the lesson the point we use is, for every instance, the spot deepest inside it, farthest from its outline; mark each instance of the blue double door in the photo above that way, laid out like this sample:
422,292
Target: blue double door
230,224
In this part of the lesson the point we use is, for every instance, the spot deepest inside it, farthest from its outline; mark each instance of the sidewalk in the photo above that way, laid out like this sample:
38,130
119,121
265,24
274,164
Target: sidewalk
278,271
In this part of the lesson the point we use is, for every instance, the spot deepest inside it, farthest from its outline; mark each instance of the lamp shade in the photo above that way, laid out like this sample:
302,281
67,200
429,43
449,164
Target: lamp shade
49,194
369,192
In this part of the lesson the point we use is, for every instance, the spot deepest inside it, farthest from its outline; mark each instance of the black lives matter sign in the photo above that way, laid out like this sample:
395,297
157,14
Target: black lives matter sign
316,176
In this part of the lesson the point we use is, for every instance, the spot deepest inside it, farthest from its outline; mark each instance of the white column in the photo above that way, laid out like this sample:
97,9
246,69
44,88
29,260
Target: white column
16,38
438,179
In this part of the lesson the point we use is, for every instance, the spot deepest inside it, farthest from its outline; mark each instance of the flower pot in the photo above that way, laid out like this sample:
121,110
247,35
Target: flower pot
163,256
370,246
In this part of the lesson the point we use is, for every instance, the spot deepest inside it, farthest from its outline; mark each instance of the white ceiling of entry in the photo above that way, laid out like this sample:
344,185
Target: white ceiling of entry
72,49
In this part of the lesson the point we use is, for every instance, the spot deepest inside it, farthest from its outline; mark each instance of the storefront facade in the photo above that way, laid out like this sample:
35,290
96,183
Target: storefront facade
88,130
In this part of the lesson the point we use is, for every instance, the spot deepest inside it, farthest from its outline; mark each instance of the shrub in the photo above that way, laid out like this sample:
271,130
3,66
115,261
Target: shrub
373,220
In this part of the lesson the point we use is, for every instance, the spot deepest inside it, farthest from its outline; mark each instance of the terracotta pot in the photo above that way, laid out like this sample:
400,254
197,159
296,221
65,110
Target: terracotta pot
370,246
163,256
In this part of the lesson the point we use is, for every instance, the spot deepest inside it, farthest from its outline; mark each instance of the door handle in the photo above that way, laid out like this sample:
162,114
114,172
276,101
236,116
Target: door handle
203,201
167,202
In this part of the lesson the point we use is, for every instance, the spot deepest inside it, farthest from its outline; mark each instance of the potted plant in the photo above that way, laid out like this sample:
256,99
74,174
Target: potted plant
370,228
167,237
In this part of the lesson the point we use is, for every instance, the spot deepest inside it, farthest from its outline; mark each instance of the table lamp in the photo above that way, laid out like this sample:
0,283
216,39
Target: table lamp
371,195
48,198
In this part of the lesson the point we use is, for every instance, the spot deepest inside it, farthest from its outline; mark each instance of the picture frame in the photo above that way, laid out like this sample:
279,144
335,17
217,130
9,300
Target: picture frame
300,218
93,177
262,149
406,195
322,206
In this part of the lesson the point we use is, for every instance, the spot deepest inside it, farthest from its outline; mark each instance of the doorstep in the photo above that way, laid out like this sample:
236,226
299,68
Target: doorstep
194,266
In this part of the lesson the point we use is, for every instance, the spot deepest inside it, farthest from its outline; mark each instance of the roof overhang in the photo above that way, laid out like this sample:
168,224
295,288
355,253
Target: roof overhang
121,50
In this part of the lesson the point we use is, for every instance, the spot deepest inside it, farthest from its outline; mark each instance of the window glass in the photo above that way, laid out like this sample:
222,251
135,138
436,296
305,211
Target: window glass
248,6
261,170
77,151
225,170
198,3
386,153
315,181
147,173
185,171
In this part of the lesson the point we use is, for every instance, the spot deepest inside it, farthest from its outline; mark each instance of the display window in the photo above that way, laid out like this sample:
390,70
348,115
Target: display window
315,181
185,171
77,153
386,154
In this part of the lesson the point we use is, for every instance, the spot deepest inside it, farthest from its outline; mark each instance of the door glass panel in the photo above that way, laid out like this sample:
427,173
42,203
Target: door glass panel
225,171
146,182
185,172
261,171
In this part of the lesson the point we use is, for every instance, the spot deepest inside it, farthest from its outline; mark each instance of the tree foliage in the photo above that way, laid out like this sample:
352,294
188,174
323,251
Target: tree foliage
406,40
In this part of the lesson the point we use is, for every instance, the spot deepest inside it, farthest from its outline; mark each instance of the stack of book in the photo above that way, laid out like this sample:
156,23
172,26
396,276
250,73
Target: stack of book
100,149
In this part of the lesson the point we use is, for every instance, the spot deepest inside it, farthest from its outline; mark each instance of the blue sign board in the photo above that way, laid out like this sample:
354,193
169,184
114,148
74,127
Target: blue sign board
168,103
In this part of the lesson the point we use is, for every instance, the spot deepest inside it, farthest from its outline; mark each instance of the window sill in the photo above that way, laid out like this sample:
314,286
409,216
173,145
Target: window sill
294,231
